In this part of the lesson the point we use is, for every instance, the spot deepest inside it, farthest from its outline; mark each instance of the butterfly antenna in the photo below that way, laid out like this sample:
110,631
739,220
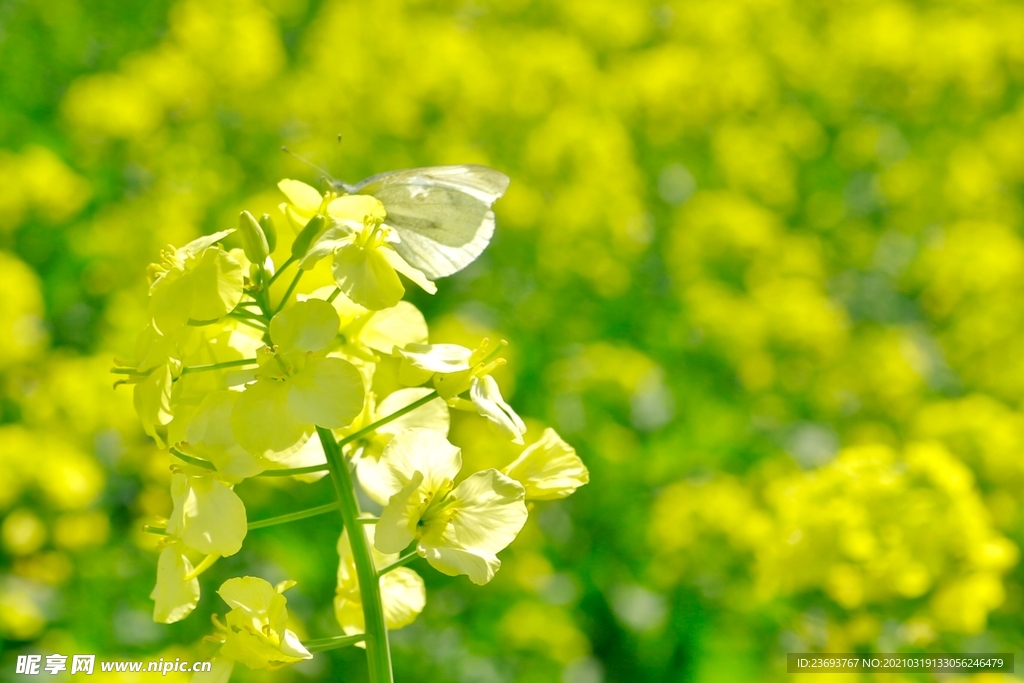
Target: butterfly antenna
341,184
309,163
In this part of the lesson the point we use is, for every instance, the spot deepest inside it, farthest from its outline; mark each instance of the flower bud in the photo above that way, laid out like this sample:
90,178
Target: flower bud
302,241
269,231
254,241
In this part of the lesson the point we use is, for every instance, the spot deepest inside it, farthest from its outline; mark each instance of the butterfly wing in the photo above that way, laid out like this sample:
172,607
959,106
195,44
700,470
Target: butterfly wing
442,213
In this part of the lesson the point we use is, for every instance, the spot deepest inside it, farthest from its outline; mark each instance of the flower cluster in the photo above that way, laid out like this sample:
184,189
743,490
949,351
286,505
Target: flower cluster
239,376
861,530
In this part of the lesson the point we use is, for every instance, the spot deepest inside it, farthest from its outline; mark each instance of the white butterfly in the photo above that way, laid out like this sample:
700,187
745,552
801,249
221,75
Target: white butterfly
442,213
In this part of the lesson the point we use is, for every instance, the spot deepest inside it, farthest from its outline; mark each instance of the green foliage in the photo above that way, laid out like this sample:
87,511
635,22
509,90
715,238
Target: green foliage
760,262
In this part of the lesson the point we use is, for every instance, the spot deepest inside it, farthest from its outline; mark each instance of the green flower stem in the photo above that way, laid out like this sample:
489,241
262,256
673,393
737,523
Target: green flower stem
292,471
277,274
291,288
249,315
264,302
384,420
158,530
293,516
130,371
205,464
202,566
219,366
334,295
251,322
323,644
400,562
378,654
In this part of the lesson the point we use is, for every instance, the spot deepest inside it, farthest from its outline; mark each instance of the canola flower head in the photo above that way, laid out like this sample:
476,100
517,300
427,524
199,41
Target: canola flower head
365,249
370,470
199,281
208,516
160,389
254,631
242,381
365,263
209,437
297,385
455,369
486,397
876,527
304,202
458,529
365,334
366,268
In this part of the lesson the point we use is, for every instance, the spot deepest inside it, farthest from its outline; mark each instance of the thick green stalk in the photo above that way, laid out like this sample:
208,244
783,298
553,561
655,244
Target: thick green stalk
378,654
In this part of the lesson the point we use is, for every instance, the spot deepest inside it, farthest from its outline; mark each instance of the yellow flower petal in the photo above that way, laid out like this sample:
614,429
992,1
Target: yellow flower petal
170,301
370,472
210,437
367,277
549,469
263,423
486,396
329,241
201,244
453,561
216,285
308,325
402,591
175,597
433,415
489,511
303,197
152,399
328,392
397,525
256,635
403,595
369,468
443,358
423,451
208,516
254,596
355,208
403,324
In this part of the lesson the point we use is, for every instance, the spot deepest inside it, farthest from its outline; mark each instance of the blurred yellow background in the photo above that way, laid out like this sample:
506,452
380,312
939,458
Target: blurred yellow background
761,261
